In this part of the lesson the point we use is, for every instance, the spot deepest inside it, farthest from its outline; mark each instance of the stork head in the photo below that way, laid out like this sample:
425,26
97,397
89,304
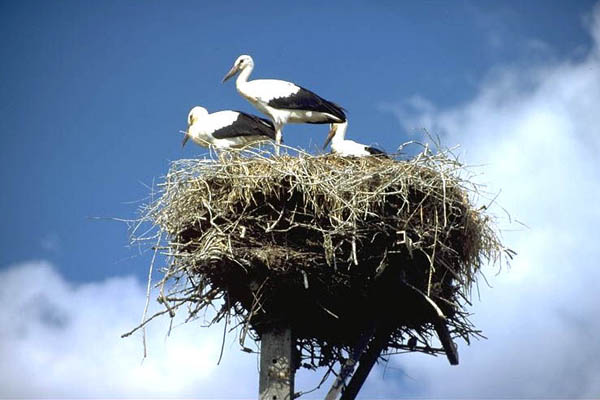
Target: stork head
242,62
194,115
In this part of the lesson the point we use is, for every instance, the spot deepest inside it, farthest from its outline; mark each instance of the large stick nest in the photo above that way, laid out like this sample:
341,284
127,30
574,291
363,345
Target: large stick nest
327,245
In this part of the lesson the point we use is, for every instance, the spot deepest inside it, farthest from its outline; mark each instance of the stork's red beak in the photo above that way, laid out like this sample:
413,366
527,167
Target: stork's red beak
231,73
332,131
186,137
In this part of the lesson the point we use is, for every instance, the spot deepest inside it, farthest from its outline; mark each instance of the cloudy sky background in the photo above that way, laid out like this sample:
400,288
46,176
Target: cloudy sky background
90,108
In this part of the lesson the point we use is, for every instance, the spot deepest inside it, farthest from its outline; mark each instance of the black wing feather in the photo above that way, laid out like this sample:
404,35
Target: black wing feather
246,125
309,101
375,152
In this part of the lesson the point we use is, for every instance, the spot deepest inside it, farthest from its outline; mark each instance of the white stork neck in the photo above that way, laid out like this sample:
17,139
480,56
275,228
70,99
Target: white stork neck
244,75
340,133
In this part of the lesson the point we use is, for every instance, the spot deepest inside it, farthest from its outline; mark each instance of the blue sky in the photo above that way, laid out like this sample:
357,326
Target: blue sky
93,95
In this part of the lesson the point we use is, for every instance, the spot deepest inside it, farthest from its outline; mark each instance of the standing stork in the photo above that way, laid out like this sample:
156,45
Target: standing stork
284,102
226,129
343,147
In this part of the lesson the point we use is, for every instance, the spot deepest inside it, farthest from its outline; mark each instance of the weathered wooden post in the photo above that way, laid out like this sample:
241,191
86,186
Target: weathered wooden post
277,369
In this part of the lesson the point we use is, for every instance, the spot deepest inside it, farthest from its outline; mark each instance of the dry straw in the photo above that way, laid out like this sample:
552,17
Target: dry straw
328,245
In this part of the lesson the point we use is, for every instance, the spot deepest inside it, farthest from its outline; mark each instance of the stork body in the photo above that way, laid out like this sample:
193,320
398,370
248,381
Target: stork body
344,147
226,129
284,102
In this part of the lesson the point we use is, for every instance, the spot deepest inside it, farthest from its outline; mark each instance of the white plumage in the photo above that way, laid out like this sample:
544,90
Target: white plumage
284,102
226,129
344,147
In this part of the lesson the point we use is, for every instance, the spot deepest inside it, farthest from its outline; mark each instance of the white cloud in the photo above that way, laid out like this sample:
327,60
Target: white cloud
537,131
62,340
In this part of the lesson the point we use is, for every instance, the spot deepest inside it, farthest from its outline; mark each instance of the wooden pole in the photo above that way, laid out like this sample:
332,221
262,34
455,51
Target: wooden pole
276,365
366,362
348,367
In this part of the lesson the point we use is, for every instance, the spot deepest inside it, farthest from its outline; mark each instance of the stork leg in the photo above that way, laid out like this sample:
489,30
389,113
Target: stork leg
278,137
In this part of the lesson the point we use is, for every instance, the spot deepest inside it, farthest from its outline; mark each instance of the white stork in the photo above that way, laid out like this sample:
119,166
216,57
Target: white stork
344,147
284,102
226,129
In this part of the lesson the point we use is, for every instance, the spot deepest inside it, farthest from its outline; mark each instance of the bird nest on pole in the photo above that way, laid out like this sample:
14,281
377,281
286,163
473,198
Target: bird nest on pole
325,245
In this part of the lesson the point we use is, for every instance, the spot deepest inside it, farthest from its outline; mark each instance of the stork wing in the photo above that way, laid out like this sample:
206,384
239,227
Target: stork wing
375,151
246,125
285,95
306,100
